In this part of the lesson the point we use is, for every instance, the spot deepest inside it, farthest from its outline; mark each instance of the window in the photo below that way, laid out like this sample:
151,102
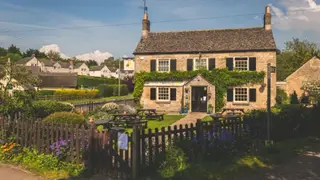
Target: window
241,95
200,64
163,65
241,63
163,94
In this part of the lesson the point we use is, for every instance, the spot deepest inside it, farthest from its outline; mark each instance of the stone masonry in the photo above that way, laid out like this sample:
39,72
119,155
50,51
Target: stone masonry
142,63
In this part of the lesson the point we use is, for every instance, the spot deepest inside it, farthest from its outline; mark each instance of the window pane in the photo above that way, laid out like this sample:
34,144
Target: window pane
163,93
201,63
241,64
163,65
241,94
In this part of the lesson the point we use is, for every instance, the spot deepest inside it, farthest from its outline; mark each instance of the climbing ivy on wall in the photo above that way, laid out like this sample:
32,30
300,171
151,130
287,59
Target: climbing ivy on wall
221,78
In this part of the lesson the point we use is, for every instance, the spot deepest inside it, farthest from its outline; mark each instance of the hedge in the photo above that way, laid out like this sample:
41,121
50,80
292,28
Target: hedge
43,109
107,90
81,93
45,92
92,82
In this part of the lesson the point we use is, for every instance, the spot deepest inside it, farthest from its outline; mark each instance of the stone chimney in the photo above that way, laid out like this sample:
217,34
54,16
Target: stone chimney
267,19
71,62
33,55
145,26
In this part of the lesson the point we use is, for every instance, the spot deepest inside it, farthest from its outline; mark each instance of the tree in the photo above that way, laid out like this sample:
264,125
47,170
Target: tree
14,57
37,53
14,50
54,55
11,76
313,89
3,51
92,63
296,53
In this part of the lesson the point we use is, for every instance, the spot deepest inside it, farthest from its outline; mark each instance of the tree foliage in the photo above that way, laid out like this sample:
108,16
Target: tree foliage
14,50
37,53
91,63
3,51
54,55
296,53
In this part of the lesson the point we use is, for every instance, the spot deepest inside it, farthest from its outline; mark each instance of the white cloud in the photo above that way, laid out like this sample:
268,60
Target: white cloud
298,15
53,47
98,56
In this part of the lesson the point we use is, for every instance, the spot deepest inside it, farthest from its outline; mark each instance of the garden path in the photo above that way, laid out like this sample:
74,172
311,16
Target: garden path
304,167
12,173
190,118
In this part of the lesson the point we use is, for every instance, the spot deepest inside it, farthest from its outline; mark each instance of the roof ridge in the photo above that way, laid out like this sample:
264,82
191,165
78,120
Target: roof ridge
222,29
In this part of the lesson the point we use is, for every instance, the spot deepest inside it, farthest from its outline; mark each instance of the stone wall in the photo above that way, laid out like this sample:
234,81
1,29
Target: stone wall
142,63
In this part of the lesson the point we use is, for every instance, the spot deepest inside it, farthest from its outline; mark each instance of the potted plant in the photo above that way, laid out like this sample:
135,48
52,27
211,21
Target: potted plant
186,108
210,109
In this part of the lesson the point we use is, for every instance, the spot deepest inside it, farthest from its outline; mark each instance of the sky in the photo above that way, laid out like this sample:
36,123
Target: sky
115,25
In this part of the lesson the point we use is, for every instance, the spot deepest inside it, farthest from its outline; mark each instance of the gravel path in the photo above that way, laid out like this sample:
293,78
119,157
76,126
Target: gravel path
12,173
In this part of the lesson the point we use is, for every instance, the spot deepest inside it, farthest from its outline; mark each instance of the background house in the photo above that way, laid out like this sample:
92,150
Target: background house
100,71
245,49
310,71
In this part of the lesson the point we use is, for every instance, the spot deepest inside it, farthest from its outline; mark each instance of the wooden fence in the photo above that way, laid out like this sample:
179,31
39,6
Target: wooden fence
99,150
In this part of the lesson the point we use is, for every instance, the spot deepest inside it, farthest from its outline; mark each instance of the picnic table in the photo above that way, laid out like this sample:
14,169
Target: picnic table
233,110
149,114
129,119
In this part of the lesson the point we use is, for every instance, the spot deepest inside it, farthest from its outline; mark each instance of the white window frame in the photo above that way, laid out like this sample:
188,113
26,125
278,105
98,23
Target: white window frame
194,63
234,62
163,59
169,95
234,95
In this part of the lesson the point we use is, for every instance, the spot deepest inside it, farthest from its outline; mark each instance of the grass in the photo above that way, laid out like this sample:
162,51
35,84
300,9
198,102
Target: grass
99,99
167,121
207,118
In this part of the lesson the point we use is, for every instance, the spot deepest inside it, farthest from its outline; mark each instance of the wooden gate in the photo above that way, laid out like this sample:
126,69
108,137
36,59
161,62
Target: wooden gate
107,158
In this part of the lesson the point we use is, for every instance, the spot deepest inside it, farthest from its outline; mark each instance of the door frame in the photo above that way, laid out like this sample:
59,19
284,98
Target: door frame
191,87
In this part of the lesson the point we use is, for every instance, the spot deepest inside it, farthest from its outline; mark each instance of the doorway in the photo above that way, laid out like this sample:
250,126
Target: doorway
199,99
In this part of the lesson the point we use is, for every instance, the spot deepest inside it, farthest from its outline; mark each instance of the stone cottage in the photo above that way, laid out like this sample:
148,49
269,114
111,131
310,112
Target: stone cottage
307,72
246,49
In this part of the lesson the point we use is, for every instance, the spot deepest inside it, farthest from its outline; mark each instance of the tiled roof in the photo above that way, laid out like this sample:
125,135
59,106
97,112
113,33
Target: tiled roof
64,64
77,65
58,80
24,60
48,63
219,40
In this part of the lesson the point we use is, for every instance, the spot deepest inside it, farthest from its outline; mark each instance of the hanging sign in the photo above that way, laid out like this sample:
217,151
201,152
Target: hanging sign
123,141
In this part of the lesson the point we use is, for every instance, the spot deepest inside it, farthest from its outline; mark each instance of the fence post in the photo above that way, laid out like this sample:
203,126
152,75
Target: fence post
91,146
135,151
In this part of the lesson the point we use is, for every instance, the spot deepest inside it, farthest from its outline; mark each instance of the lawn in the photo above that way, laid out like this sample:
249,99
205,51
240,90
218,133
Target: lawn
168,120
82,101
207,119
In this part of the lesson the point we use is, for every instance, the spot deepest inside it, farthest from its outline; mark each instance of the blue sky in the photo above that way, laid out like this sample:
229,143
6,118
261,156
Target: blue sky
26,22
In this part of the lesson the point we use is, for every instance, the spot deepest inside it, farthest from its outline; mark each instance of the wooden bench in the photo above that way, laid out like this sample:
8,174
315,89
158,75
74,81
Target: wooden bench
149,114
128,119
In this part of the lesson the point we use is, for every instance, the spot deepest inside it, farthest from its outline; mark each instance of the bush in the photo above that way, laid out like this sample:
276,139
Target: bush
93,82
44,108
77,93
48,166
106,90
111,108
174,161
45,92
128,109
282,97
294,98
65,118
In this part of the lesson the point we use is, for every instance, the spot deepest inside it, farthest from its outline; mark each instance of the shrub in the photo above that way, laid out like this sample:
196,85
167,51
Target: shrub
77,93
45,92
44,108
65,118
128,109
92,82
282,97
123,90
294,98
174,161
111,107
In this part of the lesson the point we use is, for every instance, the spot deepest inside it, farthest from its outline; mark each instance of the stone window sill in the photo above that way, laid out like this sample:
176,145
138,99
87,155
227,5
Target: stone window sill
241,103
163,102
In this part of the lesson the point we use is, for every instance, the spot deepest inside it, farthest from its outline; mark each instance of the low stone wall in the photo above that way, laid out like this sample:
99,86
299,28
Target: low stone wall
90,106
